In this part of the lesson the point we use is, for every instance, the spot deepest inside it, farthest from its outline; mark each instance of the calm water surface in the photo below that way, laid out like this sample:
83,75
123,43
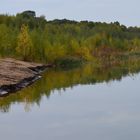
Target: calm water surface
80,104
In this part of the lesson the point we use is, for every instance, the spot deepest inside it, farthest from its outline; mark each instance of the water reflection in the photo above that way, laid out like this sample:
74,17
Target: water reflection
61,79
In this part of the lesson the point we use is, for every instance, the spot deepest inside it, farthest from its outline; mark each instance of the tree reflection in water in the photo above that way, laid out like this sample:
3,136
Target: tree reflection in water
55,79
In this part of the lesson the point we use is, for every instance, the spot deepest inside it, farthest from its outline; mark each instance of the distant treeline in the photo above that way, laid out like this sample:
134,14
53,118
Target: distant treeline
32,38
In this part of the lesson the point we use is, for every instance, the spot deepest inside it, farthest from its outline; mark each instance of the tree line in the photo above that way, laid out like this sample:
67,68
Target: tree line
32,38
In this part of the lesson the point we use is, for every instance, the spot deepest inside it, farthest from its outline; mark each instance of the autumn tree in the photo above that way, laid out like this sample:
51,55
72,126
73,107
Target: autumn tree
24,44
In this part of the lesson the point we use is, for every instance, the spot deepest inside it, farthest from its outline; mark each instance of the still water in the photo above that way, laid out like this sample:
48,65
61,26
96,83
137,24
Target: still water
81,104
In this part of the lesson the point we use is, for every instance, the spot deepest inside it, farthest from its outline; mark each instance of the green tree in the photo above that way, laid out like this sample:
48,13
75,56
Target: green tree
24,44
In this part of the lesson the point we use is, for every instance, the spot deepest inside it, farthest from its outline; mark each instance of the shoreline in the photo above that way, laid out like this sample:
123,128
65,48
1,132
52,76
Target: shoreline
16,75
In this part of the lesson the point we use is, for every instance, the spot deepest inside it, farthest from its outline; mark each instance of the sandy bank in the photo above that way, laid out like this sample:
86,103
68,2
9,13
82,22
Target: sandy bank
15,74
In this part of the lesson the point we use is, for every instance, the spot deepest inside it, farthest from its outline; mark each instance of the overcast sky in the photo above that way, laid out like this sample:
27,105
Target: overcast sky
125,11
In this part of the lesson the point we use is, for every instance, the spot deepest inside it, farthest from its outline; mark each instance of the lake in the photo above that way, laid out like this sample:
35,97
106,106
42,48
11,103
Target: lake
85,103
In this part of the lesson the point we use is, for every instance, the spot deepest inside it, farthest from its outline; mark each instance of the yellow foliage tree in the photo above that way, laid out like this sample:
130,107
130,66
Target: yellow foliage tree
24,44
